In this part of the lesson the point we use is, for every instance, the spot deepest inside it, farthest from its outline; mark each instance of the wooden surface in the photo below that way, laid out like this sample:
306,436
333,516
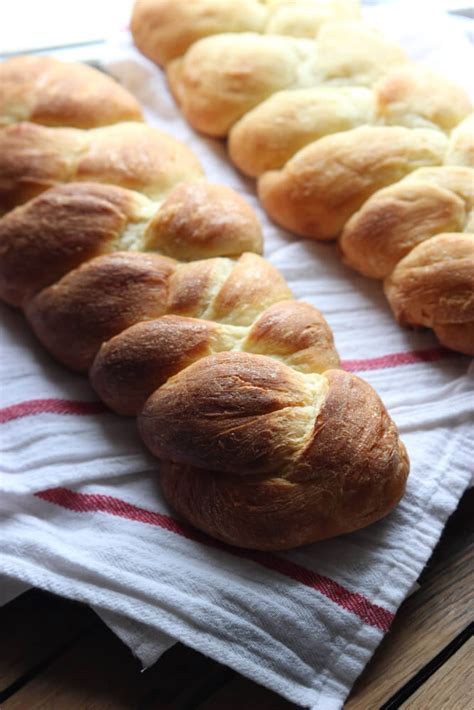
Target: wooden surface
55,654
450,686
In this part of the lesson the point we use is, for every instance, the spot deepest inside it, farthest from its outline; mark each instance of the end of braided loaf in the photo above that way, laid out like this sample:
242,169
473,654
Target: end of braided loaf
418,235
395,219
283,469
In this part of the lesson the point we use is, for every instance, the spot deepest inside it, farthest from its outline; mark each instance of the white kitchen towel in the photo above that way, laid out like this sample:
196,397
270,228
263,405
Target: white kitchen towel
81,512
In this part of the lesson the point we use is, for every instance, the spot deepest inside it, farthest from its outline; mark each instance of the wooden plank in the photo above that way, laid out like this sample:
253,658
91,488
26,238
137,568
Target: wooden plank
183,678
450,687
81,677
34,627
100,673
428,620
244,693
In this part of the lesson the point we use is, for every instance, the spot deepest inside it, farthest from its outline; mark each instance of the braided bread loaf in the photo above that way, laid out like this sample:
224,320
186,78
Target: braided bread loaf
264,444
333,129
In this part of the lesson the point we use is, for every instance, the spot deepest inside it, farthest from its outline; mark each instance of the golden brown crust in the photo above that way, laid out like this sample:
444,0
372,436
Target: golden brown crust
333,487
261,514
296,333
234,413
53,234
253,285
457,336
138,157
326,182
433,286
396,219
45,90
193,286
96,301
132,155
225,290
354,445
31,161
201,220
133,364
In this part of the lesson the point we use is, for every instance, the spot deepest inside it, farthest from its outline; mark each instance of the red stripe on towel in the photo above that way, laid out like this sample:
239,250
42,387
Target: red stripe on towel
50,406
396,359
357,604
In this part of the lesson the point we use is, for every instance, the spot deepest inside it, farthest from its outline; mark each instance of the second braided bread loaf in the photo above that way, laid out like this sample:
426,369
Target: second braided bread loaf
327,126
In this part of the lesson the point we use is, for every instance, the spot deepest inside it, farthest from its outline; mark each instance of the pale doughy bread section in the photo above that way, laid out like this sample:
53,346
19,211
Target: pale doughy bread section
410,96
417,97
222,77
165,29
132,268
418,235
269,135
461,148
